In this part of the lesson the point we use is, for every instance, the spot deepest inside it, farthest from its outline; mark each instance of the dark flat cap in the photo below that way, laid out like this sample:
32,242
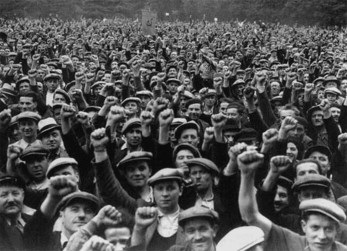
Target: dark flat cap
80,196
189,125
205,163
318,148
325,207
131,123
166,174
246,134
186,146
131,99
135,156
55,164
9,180
34,151
197,212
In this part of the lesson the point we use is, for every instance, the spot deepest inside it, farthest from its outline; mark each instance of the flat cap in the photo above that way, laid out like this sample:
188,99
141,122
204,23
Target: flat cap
186,146
131,123
238,82
175,80
98,83
135,156
246,134
318,148
92,108
64,94
131,99
333,90
193,101
329,79
144,93
79,196
309,180
51,76
55,164
285,182
189,125
6,180
311,110
47,125
205,163
29,115
197,212
241,239
165,174
178,121
324,206
21,80
34,151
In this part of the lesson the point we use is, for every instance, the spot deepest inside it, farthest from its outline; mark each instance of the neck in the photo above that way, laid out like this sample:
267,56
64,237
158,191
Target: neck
133,148
206,194
143,191
12,217
30,139
66,233
169,210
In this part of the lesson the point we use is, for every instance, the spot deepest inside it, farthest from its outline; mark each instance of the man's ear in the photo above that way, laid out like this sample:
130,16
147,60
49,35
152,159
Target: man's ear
215,228
303,226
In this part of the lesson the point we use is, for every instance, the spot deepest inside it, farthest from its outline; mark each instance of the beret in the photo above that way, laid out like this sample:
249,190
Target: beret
210,92
197,212
241,239
205,163
46,125
186,146
34,151
318,148
324,206
309,180
55,164
188,125
131,123
29,115
333,90
51,76
245,135
131,99
135,156
84,196
165,174
6,180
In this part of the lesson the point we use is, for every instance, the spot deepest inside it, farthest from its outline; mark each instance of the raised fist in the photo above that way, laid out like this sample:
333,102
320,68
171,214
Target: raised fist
270,136
146,118
249,92
5,119
82,117
13,152
279,164
110,101
116,114
289,123
249,161
99,139
209,134
236,149
145,216
342,138
95,243
62,185
218,120
79,76
309,88
324,105
67,111
166,117
32,73
108,216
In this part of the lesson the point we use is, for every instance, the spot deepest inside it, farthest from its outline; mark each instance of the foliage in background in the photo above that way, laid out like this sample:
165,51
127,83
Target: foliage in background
309,12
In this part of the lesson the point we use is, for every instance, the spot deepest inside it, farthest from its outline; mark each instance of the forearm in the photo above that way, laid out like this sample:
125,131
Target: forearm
247,200
163,135
49,206
270,181
138,236
65,125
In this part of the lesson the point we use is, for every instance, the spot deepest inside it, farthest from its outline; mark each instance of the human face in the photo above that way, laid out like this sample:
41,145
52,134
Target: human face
320,232
223,108
199,233
66,170
286,113
210,100
52,84
189,136
119,237
335,113
75,216
182,156
317,118
37,167
292,151
202,179
306,168
344,86
233,114
56,116
59,98
27,104
131,107
194,111
239,90
298,132
172,73
134,136
281,198
331,98
144,100
172,87
137,174
313,192
275,88
166,194
52,140
323,160
27,127
11,200
25,86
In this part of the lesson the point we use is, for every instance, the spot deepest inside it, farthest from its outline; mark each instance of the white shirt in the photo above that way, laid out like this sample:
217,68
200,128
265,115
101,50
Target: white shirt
168,223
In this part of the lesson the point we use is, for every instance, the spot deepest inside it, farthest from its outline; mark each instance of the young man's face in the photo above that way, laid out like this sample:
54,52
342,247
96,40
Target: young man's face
200,233
182,156
323,160
134,136
52,84
52,140
189,136
223,107
298,132
37,167
25,86
27,127
11,200
335,113
75,216
194,111
27,104
233,114
131,107
119,237
68,170
317,118
137,173
166,194
59,98
292,151
320,231
286,113
306,168
281,198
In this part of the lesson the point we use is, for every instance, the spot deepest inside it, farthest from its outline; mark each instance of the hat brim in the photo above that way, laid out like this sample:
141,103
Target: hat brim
323,212
48,129
152,183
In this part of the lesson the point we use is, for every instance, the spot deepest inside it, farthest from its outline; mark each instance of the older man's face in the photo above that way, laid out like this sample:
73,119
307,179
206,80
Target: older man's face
11,200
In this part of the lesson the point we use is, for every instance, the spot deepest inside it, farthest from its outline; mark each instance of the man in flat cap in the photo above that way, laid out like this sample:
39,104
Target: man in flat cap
78,210
318,214
12,220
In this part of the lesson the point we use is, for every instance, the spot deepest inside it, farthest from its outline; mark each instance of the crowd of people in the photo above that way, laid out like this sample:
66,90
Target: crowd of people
204,136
